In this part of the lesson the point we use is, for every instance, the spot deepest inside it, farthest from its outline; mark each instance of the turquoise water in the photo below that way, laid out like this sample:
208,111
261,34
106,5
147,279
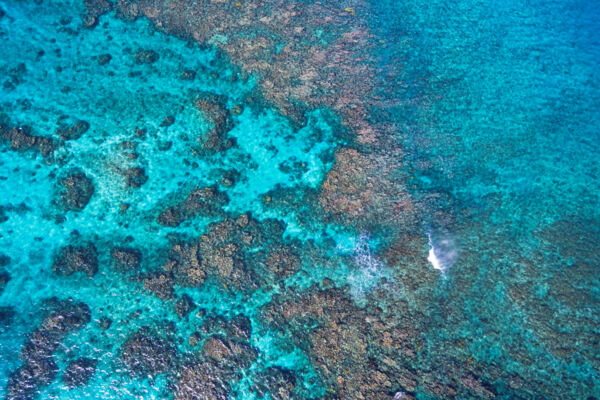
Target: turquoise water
197,204
511,137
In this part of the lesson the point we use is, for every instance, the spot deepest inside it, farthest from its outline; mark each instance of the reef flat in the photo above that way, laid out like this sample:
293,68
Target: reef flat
299,200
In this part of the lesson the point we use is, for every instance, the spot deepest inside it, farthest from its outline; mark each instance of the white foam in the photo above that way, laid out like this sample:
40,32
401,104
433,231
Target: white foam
432,257
370,270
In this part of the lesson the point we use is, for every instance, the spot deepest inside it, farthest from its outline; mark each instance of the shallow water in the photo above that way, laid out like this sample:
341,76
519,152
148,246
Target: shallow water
361,200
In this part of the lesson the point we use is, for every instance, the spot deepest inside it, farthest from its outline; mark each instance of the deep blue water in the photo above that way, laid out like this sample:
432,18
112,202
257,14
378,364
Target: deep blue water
491,291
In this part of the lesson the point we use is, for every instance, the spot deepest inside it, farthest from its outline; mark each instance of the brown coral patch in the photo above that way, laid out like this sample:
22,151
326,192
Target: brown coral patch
207,202
214,110
223,254
283,262
148,353
361,189
300,68
203,380
21,138
76,258
39,367
362,354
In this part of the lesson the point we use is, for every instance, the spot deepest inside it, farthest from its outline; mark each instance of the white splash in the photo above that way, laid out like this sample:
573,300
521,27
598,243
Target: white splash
443,254
432,257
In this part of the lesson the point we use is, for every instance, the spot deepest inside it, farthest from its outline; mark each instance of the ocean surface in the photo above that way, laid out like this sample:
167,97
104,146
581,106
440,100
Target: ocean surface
299,199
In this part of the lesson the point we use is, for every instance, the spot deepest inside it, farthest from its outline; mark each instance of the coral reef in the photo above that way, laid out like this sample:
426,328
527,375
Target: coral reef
307,71
94,9
360,188
264,197
160,284
284,261
39,367
343,339
224,352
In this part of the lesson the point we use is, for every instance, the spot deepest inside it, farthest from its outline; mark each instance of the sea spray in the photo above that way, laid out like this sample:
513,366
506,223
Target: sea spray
442,255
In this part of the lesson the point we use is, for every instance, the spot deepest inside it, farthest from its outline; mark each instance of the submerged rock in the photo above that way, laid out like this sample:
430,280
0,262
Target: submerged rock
104,59
184,306
79,372
125,259
165,145
75,191
148,353
4,278
188,75
160,284
6,315
214,109
229,178
145,56
278,383
72,131
206,202
24,383
168,121
236,354
89,21
284,262
135,177
80,258
104,323
4,260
